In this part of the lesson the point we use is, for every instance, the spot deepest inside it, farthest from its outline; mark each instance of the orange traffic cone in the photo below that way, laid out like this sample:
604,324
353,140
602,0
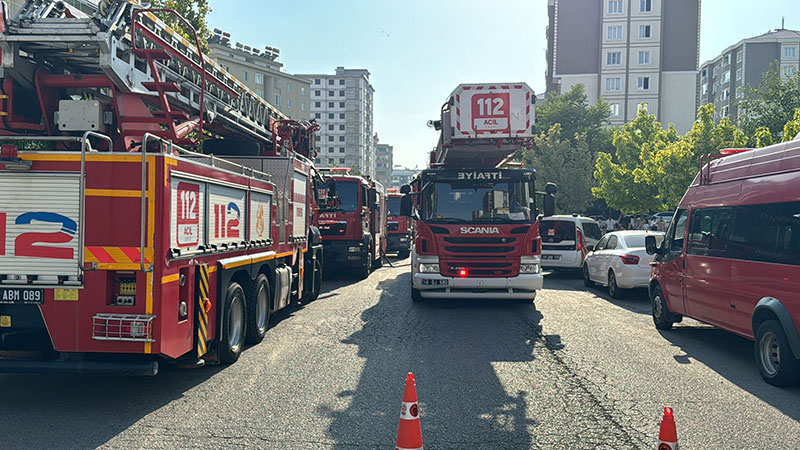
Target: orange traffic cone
409,432
668,435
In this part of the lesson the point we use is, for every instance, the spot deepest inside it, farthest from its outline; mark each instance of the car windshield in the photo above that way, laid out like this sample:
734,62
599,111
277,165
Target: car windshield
491,202
637,241
394,206
555,231
346,199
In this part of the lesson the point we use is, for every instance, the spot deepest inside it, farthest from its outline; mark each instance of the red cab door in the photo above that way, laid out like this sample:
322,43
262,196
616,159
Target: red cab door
671,264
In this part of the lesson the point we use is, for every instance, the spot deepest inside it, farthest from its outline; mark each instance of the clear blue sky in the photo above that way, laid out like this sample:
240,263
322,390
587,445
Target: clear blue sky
418,51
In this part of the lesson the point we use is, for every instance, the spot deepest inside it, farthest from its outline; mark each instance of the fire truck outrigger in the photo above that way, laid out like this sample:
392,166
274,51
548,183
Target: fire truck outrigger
119,246
476,230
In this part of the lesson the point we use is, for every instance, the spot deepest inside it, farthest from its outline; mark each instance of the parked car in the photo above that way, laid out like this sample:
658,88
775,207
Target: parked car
566,240
666,215
731,256
620,261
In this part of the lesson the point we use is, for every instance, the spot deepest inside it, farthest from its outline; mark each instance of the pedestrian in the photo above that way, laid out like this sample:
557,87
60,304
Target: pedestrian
662,225
611,224
624,221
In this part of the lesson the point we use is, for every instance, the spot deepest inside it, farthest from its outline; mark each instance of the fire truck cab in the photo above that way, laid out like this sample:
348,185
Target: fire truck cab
398,226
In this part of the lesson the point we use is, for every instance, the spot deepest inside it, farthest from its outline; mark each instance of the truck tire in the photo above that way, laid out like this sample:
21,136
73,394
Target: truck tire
234,320
366,268
663,318
774,357
316,277
258,309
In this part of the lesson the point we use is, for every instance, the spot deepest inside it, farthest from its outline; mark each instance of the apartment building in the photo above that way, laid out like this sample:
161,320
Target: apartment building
402,175
342,104
629,52
384,162
261,71
723,80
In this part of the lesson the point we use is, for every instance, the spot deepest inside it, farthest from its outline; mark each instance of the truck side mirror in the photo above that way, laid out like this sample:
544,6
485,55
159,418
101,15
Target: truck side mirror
405,189
332,188
405,205
650,245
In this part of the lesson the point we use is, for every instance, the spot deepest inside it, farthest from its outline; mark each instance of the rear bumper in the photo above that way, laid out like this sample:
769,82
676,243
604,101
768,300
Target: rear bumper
632,278
143,368
523,286
395,242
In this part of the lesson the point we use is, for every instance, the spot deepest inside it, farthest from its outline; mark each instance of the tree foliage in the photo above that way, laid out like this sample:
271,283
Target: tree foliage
792,127
194,11
772,104
577,117
763,137
568,163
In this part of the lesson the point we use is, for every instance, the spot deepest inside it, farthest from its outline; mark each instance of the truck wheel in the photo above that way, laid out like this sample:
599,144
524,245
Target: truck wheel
613,289
234,320
258,310
662,317
586,280
774,357
366,269
316,276
415,295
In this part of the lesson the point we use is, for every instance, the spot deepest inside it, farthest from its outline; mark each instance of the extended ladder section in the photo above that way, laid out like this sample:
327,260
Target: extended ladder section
483,125
140,54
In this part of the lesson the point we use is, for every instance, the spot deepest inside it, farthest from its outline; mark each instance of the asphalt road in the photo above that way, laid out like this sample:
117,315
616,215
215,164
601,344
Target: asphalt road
575,370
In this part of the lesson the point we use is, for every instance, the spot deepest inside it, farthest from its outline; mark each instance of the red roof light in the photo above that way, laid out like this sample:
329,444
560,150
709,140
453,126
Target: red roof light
733,151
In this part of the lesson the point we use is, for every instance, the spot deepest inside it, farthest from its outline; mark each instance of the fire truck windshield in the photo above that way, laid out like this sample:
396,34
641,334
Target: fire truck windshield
346,197
394,206
494,202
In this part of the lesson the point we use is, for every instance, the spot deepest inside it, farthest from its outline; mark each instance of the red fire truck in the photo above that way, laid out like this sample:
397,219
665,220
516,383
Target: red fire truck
352,221
121,247
398,229
476,230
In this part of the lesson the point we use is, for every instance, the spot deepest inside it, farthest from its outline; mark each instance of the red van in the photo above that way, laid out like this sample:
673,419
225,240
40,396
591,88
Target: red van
731,255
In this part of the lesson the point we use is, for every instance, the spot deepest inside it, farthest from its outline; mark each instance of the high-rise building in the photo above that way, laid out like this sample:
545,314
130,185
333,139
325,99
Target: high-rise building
384,162
402,175
342,105
724,79
262,72
629,52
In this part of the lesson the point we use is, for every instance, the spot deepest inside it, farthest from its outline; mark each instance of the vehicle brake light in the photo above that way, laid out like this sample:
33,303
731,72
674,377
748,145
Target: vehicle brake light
629,259
580,239
462,273
9,152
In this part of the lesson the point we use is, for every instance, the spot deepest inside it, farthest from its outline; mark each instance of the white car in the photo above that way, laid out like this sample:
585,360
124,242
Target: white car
666,215
566,240
620,261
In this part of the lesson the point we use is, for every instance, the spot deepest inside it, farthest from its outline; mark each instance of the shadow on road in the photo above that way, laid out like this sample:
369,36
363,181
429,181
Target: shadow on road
633,300
452,347
731,356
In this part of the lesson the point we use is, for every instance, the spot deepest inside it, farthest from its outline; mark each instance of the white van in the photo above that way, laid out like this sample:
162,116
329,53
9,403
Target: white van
566,240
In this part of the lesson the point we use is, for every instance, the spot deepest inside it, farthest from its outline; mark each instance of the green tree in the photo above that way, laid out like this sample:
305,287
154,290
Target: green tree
566,163
577,117
763,137
792,127
194,11
772,104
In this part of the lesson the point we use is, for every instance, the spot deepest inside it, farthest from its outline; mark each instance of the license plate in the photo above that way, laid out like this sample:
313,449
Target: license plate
21,295
435,282
553,257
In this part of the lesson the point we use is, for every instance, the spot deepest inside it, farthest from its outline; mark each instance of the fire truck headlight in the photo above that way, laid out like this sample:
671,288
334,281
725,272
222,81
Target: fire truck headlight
528,268
353,249
429,268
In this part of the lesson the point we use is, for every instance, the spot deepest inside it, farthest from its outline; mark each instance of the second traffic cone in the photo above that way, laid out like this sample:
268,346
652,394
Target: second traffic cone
409,432
668,435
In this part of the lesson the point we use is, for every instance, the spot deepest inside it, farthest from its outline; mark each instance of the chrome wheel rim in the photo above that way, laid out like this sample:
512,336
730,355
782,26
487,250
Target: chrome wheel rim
235,325
261,309
657,311
770,352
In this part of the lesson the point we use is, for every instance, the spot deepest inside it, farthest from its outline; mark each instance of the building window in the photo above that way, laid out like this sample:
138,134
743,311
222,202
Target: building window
341,149
302,106
288,103
341,138
643,83
739,56
726,94
789,71
317,116
341,116
302,91
613,84
330,115
330,104
614,109
726,76
725,110
330,160
330,82
726,59
644,57
790,52
319,138
705,88
341,93
317,104
615,6
341,160
330,138
614,33
613,58
244,75
316,81
704,73
341,82
277,99
341,127
288,87
331,93
317,93
645,5
739,73
716,71
341,104
260,93
330,149
330,127
259,79
644,31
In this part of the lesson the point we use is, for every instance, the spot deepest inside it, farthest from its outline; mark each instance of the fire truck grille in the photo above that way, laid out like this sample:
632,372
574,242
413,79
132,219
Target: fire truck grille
333,229
479,240
480,268
473,249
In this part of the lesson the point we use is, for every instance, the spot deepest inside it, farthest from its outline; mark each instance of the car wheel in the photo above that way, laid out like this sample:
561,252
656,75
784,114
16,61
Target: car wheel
613,289
774,357
662,317
234,318
258,310
586,280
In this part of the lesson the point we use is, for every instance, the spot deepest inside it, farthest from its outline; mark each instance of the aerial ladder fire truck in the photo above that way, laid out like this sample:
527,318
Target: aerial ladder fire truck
398,227
124,241
476,229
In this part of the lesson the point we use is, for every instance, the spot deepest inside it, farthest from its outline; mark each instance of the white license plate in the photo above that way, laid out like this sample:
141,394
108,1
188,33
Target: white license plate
435,282
22,296
552,257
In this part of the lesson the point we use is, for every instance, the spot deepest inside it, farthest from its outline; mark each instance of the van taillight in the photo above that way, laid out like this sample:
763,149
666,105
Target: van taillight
579,239
629,259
